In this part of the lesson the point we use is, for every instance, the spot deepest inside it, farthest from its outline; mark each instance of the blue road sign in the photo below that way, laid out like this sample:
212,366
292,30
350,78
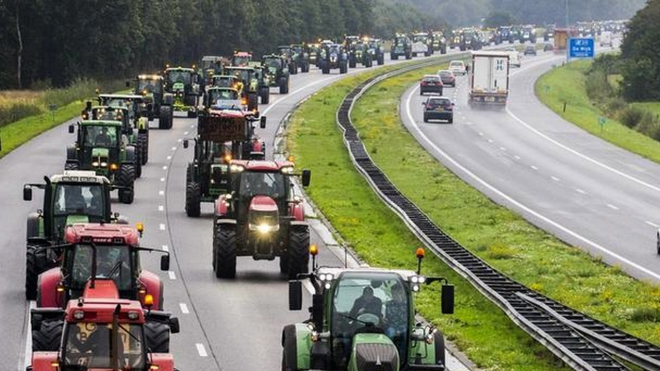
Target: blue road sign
581,47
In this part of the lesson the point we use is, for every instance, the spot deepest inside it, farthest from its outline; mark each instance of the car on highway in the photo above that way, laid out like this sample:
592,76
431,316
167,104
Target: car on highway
530,50
447,78
548,47
438,108
457,67
430,84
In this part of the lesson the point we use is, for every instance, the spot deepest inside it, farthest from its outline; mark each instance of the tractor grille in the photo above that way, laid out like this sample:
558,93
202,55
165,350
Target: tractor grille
376,357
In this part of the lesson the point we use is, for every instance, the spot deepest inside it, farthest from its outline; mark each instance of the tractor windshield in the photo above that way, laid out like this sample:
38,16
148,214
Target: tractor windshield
401,40
149,86
254,183
369,302
101,136
242,60
80,199
89,345
224,81
420,38
274,63
112,262
241,74
182,76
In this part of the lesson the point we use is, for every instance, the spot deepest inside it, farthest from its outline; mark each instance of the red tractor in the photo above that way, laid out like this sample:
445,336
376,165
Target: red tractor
100,331
101,251
261,217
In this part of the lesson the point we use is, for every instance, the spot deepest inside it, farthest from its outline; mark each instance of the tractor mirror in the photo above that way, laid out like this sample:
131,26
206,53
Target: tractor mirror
262,122
447,297
317,310
27,194
88,105
165,263
71,129
295,295
185,143
306,177
174,325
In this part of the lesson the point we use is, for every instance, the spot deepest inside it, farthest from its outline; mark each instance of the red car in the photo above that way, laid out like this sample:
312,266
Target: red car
430,84
447,77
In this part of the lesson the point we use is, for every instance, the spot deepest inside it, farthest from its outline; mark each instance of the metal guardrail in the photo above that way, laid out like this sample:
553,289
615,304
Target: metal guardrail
581,342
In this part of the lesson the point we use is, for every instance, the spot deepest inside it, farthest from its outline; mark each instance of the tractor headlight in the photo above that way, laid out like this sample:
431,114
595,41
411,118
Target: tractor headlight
104,164
95,164
264,228
287,170
236,168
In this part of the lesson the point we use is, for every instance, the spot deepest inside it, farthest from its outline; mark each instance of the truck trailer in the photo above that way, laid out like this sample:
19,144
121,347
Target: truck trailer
489,78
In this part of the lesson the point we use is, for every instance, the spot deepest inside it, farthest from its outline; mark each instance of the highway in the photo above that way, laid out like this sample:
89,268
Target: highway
220,319
584,190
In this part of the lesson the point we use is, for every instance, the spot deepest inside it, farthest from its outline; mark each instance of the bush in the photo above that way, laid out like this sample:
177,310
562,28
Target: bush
648,125
18,111
79,89
598,88
613,105
631,116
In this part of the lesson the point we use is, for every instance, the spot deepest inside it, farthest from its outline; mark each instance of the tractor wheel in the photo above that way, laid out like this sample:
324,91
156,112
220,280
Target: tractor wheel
289,351
304,68
138,162
325,69
343,68
70,165
439,342
409,56
298,251
165,117
265,95
352,63
293,68
224,250
253,101
193,199
158,336
143,140
284,85
35,261
126,178
48,337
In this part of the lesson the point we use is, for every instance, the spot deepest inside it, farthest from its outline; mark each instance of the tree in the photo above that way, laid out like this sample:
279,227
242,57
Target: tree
499,18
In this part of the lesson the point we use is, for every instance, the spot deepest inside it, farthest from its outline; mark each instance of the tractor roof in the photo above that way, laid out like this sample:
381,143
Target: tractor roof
405,275
99,303
121,96
242,54
111,108
101,123
239,68
186,69
212,58
150,77
262,165
102,233
79,176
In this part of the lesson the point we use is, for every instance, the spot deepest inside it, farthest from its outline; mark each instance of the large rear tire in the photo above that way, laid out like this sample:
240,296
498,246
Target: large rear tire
298,251
289,351
439,343
143,140
158,336
165,117
284,85
224,250
264,92
193,200
126,178
48,337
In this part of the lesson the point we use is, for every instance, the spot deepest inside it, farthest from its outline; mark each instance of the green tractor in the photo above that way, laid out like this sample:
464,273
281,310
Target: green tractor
99,147
300,56
439,42
376,50
71,197
276,69
401,47
251,86
183,83
286,52
223,133
364,319
156,102
358,52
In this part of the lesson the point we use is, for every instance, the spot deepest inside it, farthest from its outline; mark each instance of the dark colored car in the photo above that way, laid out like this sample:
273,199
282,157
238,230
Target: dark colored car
530,50
430,84
548,47
438,108
447,77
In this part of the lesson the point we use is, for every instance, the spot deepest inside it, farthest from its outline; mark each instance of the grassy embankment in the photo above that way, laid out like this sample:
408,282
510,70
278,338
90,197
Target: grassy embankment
26,114
497,235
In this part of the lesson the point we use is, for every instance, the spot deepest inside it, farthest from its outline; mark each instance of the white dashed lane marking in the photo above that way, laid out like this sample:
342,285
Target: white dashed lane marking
169,158
502,149
185,133
173,148
161,208
165,248
612,207
162,179
172,275
165,167
161,193
490,141
652,224
179,140
516,157
554,178
534,167
578,190
161,227
201,350
184,308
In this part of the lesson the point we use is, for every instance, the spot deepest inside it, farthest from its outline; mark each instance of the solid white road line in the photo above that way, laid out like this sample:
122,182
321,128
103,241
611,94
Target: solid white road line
518,204
201,350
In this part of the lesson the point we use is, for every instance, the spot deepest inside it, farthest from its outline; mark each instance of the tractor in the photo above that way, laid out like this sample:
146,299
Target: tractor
376,50
184,85
99,147
421,44
439,43
286,52
333,56
358,52
350,40
101,331
528,33
250,86
241,59
470,40
101,251
223,133
277,71
212,65
300,56
401,46
71,197
313,52
157,103
364,319
260,216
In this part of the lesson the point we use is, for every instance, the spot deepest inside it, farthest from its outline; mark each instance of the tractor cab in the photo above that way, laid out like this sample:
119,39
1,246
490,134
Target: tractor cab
99,144
248,85
225,81
212,65
179,80
241,59
364,318
217,98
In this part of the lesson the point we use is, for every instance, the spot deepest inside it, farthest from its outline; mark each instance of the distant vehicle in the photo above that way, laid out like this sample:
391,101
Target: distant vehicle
457,67
489,80
530,50
606,38
548,47
430,84
438,108
447,78
514,57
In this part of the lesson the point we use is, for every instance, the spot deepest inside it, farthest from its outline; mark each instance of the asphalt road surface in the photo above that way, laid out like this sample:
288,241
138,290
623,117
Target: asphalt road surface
586,191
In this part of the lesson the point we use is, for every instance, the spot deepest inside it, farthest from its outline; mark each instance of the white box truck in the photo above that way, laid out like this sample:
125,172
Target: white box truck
489,78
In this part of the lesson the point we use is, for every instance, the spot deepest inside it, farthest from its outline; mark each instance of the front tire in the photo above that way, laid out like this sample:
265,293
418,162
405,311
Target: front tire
157,335
48,337
126,178
298,251
35,262
224,250
193,200
165,117
289,351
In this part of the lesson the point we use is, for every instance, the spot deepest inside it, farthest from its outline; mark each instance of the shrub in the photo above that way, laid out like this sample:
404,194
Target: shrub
598,88
613,105
648,125
631,116
18,111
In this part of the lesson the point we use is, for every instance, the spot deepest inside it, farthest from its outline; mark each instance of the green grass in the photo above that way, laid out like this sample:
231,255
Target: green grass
653,107
497,235
566,84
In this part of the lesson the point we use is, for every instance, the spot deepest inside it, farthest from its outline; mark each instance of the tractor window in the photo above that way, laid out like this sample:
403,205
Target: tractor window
82,199
273,63
175,76
149,85
243,75
90,345
401,40
112,262
101,136
217,95
369,302
262,183
420,38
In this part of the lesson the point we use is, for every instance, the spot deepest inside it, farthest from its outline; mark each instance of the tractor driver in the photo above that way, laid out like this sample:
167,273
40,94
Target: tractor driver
74,202
103,139
396,318
367,303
